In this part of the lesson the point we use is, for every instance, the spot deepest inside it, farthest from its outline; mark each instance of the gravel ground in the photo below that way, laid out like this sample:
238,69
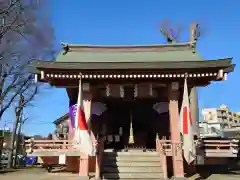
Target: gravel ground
41,174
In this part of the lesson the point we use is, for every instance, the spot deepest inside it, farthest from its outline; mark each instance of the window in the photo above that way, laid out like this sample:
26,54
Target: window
201,130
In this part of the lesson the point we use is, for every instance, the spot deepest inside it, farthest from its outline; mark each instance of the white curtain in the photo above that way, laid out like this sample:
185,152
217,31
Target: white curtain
161,107
98,108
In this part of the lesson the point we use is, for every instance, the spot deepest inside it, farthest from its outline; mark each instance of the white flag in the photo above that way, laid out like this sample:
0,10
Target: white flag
186,128
82,139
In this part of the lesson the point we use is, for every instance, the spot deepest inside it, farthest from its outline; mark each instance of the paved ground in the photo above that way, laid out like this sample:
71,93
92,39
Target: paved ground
217,177
217,172
36,174
41,174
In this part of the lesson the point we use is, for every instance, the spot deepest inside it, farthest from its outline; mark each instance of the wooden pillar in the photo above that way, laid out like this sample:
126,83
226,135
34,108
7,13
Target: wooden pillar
175,131
84,165
84,158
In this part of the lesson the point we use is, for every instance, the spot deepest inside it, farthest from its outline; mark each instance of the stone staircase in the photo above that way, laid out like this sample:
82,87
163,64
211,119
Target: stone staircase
131,165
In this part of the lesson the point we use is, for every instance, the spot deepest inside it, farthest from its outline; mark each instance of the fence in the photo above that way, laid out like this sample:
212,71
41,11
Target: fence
221,148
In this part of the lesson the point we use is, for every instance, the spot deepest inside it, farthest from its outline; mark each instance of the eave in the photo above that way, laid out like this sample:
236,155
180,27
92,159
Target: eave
201,73
93,66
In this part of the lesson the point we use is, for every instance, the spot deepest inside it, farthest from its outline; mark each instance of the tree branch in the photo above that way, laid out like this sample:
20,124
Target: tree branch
24,35
30,98
14,96
7,9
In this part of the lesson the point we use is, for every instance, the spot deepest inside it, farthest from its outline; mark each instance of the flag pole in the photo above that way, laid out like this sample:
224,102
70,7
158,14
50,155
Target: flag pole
80,90
188,146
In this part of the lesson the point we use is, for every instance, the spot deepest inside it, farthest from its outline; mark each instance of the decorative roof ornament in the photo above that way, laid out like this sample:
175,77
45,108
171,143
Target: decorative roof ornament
194,35
65,48
170,33
168,37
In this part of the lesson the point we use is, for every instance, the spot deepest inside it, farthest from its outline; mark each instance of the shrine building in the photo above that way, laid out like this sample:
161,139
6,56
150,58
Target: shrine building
129,81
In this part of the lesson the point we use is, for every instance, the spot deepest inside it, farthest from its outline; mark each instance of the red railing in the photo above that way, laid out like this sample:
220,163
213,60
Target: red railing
208,146
220,146
48,145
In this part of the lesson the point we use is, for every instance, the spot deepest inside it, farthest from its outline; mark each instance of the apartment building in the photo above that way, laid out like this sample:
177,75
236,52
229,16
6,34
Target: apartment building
222,115
219,121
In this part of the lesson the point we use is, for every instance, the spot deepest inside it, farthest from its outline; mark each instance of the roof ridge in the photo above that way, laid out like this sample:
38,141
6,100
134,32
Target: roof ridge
124,46
127,48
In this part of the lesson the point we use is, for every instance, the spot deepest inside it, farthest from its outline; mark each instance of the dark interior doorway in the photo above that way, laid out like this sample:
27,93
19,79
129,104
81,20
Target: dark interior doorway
120,114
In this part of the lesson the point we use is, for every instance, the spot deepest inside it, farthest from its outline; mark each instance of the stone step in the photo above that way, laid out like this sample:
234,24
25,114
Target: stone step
132,176
131,164
132,169
133,179
137,153
132,158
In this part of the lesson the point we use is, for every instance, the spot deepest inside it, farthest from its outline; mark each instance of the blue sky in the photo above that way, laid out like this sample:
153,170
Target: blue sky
121,22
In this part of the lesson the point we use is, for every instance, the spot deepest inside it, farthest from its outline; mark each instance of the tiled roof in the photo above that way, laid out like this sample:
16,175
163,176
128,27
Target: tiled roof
139,53
62,118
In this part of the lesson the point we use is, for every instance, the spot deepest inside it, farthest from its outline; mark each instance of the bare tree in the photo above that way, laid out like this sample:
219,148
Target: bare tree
25,34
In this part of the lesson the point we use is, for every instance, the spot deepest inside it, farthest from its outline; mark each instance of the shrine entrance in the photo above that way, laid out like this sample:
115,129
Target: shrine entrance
131,124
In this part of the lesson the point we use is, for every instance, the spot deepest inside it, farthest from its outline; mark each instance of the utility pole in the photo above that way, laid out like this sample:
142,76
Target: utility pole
18,138
4,127
18,112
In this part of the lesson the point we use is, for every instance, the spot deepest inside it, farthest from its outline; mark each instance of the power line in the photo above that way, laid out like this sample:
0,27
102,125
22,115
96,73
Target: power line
40,123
